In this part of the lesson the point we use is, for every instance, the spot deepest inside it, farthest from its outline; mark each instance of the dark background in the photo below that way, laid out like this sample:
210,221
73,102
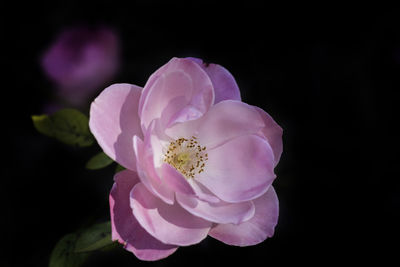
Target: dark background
327,74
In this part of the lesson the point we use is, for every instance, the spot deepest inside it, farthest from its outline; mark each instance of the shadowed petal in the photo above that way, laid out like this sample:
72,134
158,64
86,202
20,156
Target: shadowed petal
170,224
175,180
225,86
148,174
221,212
114,121
202,192
257,229
273,132
125,227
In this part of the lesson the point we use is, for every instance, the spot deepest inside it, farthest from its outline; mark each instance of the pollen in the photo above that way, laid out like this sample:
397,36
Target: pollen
187,156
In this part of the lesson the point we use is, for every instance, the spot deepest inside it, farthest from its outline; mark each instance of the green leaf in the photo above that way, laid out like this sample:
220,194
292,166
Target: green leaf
94,238
99,161
114,245
119,168
63,254
69,126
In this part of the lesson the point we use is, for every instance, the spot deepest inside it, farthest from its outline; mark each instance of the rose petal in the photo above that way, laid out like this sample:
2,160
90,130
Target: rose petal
225,86
273,132
114,121
170,114
157,141
179,78
170,224
202,192
224,121
240,169
125,227
148,174
221,212
175,180
257,229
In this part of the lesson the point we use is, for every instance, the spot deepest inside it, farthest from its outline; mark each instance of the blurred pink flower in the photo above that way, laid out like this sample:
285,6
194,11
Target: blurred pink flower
199,161
81,61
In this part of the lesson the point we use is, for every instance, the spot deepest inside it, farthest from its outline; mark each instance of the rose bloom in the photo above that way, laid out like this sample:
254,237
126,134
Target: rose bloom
81,60
199,161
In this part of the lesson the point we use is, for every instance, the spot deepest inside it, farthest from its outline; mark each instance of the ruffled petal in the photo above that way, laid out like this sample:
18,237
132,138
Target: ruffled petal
240,169
170,224
257,229
225,86
181,81
114,121
148,174
124,226
221,212
273,132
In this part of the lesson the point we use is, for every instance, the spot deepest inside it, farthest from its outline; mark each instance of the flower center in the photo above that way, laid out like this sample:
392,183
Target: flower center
187,156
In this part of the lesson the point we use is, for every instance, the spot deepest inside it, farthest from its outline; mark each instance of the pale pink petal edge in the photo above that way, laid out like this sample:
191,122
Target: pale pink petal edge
257,229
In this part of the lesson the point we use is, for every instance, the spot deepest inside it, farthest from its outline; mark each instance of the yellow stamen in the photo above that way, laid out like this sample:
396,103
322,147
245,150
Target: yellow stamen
186,155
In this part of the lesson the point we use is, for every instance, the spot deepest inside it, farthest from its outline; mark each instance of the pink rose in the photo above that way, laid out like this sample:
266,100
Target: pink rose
81,60
199,161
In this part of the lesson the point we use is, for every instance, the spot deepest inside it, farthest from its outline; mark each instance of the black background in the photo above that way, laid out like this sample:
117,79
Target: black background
327,74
